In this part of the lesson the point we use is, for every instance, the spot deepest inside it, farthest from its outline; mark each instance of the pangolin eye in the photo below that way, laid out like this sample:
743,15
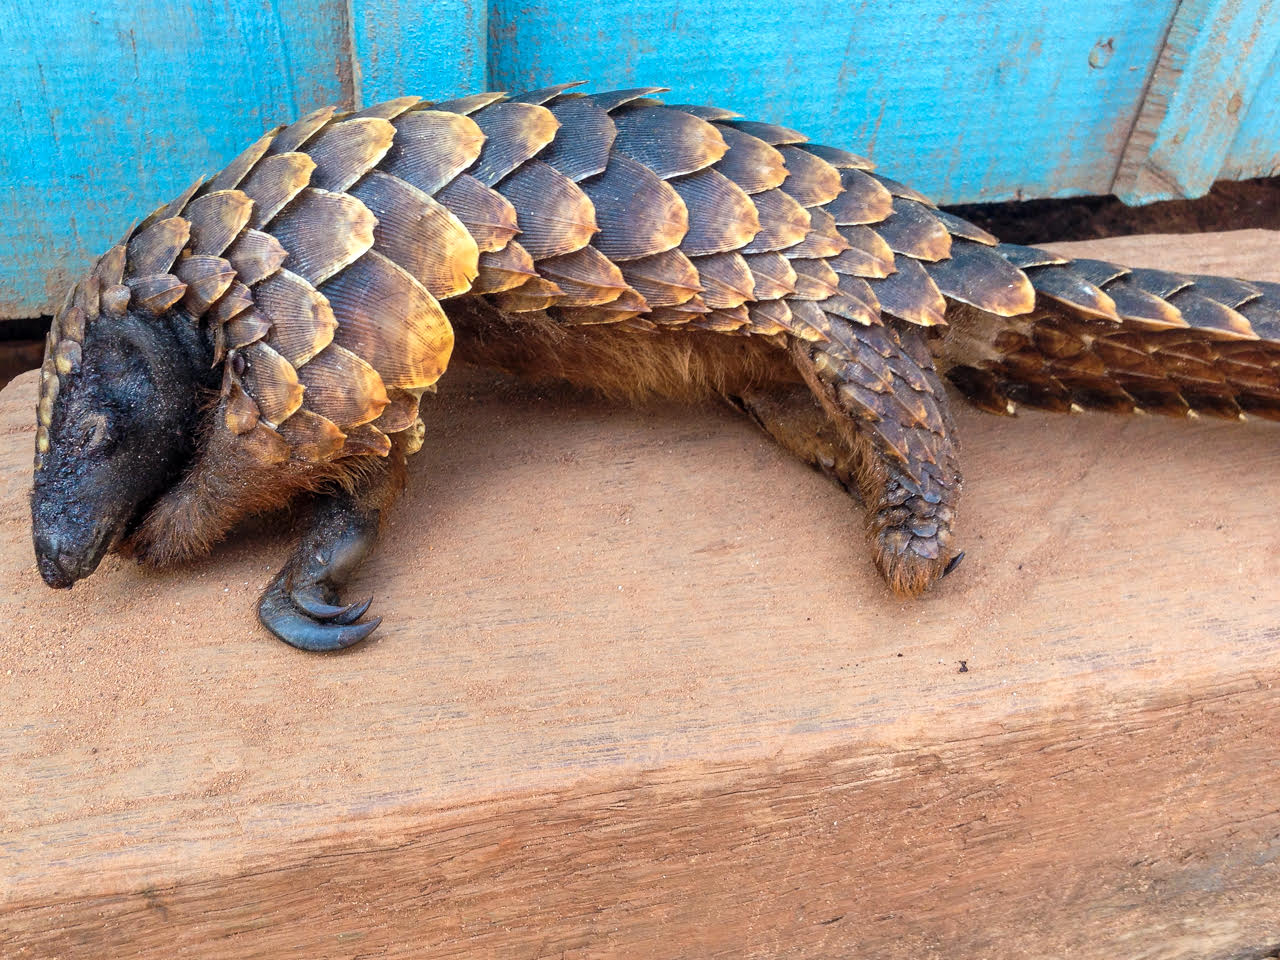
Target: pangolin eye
95,430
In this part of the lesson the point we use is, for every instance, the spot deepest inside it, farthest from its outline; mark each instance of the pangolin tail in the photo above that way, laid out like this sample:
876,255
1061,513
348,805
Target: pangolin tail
1106,337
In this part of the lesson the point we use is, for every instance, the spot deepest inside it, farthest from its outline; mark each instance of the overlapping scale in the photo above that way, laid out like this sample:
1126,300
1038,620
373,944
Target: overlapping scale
153,250
582,146
431,147
721,215
912,229
488,216
638,213
207,278
342,387
216,219
274,182
311,436
585,277
727,280
504,269
783,222
810,179
296,134
390,319
323,232
514,133
346,151
302,322
271,381
235,171
669,142
255,256
664,279
554,215
751,163
420,234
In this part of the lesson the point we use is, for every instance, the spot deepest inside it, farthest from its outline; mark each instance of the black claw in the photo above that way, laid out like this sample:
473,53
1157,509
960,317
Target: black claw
279,612
313,600
354,611
953,563
297,631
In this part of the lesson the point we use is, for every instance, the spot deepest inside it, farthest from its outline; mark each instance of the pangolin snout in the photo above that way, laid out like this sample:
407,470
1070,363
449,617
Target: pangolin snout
61,567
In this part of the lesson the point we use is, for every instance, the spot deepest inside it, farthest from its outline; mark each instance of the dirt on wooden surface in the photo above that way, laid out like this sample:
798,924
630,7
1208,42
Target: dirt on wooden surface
639,691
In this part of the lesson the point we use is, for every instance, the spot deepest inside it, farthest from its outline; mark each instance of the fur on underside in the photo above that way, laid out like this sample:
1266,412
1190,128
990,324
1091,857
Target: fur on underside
227,482
618,363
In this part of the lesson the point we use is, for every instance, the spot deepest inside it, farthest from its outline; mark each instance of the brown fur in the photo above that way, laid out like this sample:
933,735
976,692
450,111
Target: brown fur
228,482
621,364
225,484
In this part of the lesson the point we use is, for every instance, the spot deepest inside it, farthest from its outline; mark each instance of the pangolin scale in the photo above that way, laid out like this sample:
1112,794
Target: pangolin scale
273,330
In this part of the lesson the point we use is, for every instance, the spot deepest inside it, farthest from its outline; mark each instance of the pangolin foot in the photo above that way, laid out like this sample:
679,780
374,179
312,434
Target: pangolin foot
302,606
300,619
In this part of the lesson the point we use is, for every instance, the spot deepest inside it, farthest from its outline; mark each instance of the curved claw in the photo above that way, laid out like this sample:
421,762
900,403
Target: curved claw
278,613
953,563
313,600
354,611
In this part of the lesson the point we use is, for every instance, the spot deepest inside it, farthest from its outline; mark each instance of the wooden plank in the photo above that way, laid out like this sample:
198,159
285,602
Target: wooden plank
639,694
1255,152
967,102
1214,60
114,110
436,50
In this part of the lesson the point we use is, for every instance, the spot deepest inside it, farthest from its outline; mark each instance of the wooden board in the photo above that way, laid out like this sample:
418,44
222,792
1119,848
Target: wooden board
640,694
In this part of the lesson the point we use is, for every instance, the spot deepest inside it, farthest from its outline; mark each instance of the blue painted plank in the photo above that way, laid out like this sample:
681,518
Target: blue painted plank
114,109
1214,59
432,50
1255,152
968,102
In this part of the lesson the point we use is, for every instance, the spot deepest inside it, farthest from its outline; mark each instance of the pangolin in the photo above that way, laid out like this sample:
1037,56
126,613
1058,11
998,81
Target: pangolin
272,331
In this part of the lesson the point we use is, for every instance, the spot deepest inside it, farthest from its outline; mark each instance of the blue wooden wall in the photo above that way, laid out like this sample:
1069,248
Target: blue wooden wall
114,107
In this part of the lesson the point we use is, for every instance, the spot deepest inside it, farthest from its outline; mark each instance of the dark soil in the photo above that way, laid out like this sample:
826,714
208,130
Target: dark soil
1229,205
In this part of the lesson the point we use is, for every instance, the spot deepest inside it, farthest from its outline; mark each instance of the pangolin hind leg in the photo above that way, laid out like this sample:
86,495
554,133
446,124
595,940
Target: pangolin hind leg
889,436
302,604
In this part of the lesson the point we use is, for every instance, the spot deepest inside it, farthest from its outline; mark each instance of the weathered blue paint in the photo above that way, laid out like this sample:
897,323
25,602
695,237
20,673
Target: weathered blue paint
435,50
1255,152
966,101
1214,59
109,112
112,110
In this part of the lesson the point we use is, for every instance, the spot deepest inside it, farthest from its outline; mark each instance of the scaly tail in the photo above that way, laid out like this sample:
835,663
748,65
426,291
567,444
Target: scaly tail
1107,337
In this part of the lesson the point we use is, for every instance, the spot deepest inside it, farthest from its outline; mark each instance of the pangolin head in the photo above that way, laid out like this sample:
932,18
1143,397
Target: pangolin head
114,417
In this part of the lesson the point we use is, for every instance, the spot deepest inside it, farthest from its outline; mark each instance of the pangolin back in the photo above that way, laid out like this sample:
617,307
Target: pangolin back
320,257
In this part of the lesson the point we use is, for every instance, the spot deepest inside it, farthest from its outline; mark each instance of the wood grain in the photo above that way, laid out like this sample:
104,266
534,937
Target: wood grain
639,693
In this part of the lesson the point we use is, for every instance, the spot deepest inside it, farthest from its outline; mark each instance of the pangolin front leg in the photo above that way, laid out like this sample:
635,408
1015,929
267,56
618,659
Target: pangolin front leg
302,605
